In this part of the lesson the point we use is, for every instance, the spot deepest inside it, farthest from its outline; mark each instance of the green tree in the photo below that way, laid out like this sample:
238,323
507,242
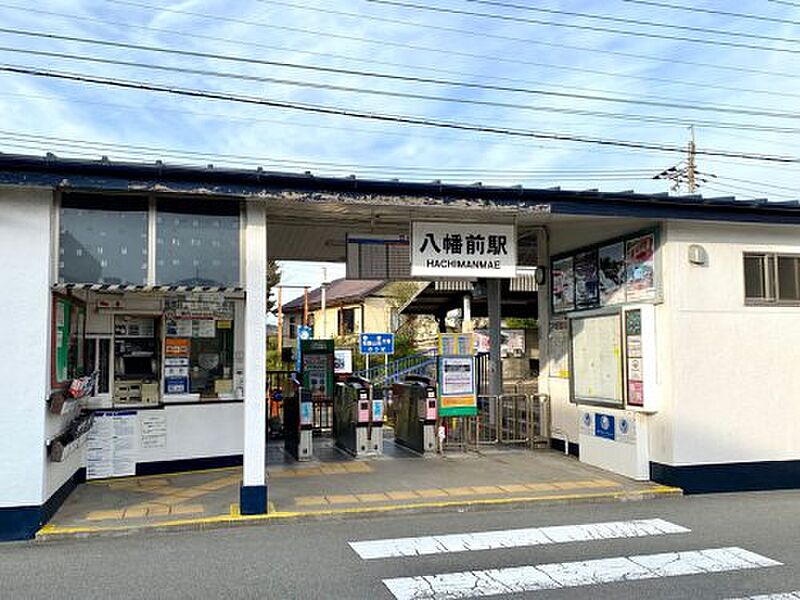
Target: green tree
273,279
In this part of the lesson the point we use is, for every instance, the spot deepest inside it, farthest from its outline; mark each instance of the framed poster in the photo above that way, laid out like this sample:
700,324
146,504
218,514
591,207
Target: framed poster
67,343
640,268
586,280
611,274
563,275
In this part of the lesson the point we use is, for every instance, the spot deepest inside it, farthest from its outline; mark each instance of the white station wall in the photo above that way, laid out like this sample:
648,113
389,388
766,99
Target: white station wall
733,389
25,217
565,237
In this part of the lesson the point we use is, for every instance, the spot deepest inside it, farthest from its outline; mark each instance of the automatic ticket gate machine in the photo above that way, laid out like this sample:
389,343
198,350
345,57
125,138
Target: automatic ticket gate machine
358,418
415,413
298,421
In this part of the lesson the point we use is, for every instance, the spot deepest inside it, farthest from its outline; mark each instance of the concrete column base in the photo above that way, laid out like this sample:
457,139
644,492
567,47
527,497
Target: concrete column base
253,500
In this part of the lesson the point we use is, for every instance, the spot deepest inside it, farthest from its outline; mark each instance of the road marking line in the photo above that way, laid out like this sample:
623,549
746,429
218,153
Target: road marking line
469,584
512,538
779,596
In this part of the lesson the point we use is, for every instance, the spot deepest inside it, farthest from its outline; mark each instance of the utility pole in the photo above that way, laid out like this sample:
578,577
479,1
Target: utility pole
685,173
691,171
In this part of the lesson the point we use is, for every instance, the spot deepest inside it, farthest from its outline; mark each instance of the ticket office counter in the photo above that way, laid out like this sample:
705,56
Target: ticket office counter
170,381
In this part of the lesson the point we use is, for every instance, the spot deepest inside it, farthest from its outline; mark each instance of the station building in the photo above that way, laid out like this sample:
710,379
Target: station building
668,325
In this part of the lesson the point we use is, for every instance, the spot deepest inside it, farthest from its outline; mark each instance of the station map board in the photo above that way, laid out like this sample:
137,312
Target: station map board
596,349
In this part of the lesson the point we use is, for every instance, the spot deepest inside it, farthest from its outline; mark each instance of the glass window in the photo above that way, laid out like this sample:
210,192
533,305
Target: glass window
347,323
754,277
103,240
197,243
788,284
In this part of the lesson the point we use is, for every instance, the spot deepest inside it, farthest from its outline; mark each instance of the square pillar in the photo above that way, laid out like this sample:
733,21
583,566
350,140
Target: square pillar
253,496
493,299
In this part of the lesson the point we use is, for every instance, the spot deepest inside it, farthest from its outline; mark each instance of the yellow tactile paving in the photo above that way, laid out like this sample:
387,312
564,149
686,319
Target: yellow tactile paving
486,489
134,513
459,491
187,509
342,499
158,511
357,467
310,500
540,487
372,497
100,515
402,495
514,488
332,469
431,493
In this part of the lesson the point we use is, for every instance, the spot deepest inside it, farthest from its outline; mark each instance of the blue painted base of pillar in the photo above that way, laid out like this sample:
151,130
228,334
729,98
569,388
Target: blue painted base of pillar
253,500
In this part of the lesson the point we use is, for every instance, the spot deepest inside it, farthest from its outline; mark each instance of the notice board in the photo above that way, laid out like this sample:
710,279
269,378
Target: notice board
596,348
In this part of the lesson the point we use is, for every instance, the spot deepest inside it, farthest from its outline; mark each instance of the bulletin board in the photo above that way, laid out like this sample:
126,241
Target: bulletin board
596,352
68,322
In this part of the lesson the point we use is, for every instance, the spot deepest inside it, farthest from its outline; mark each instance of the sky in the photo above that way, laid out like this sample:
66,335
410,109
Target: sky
637,72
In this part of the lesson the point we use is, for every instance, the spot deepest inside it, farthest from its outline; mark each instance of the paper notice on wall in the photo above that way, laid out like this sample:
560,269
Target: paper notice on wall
125,445
111,446
153,426
204,329
183,328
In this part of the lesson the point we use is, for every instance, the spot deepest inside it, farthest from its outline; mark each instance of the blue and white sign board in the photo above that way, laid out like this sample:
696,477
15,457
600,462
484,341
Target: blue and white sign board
304,332
604,426
376,343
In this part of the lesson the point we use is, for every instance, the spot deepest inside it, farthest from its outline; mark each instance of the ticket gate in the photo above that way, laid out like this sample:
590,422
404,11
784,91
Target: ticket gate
414,402
298,421
357,418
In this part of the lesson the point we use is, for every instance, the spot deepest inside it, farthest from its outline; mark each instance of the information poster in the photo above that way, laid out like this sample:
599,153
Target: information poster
612,274
176,365
457,386
153,429
111,445
558,338
633,353
586,280
563,285
640,279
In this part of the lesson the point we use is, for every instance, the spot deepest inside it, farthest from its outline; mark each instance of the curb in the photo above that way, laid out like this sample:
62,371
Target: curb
54,533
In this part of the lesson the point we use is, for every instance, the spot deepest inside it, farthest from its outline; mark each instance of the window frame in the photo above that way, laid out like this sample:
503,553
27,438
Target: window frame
771,279
80,344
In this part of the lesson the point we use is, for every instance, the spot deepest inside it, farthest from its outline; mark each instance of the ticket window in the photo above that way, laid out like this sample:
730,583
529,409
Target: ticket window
211,362
98,360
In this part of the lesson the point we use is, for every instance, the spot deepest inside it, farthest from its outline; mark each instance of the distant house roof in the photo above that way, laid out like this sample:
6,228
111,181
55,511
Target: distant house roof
340,291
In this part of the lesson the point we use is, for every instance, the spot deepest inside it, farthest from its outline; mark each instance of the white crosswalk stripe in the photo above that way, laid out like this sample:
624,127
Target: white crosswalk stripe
469,584
780,596
513,538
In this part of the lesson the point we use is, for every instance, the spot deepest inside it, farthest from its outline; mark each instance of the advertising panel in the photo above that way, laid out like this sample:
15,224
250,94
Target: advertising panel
563,274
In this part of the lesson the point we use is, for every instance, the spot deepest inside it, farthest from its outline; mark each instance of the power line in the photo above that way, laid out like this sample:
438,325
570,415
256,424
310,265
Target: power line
794,4
429,97
359,114
592,28
481,34
294,163
727,108
629,21
709,11
498,59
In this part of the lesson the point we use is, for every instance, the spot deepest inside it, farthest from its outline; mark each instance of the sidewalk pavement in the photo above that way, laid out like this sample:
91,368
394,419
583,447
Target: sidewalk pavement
337,485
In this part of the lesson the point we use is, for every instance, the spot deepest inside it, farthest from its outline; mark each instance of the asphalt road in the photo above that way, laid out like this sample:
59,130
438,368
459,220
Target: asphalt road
313,559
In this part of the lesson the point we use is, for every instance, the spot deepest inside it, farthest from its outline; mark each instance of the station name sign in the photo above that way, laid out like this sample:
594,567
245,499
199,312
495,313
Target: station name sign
463,250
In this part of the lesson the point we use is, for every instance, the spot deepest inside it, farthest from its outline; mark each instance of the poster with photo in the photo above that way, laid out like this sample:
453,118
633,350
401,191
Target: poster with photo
640,278
563,285
612,274
586,283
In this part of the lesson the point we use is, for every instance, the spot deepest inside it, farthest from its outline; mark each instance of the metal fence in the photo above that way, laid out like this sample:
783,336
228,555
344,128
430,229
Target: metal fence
508,419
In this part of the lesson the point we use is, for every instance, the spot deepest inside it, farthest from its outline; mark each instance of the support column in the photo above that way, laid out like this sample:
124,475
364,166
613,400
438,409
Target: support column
543,308
253,496
495,339
466,315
